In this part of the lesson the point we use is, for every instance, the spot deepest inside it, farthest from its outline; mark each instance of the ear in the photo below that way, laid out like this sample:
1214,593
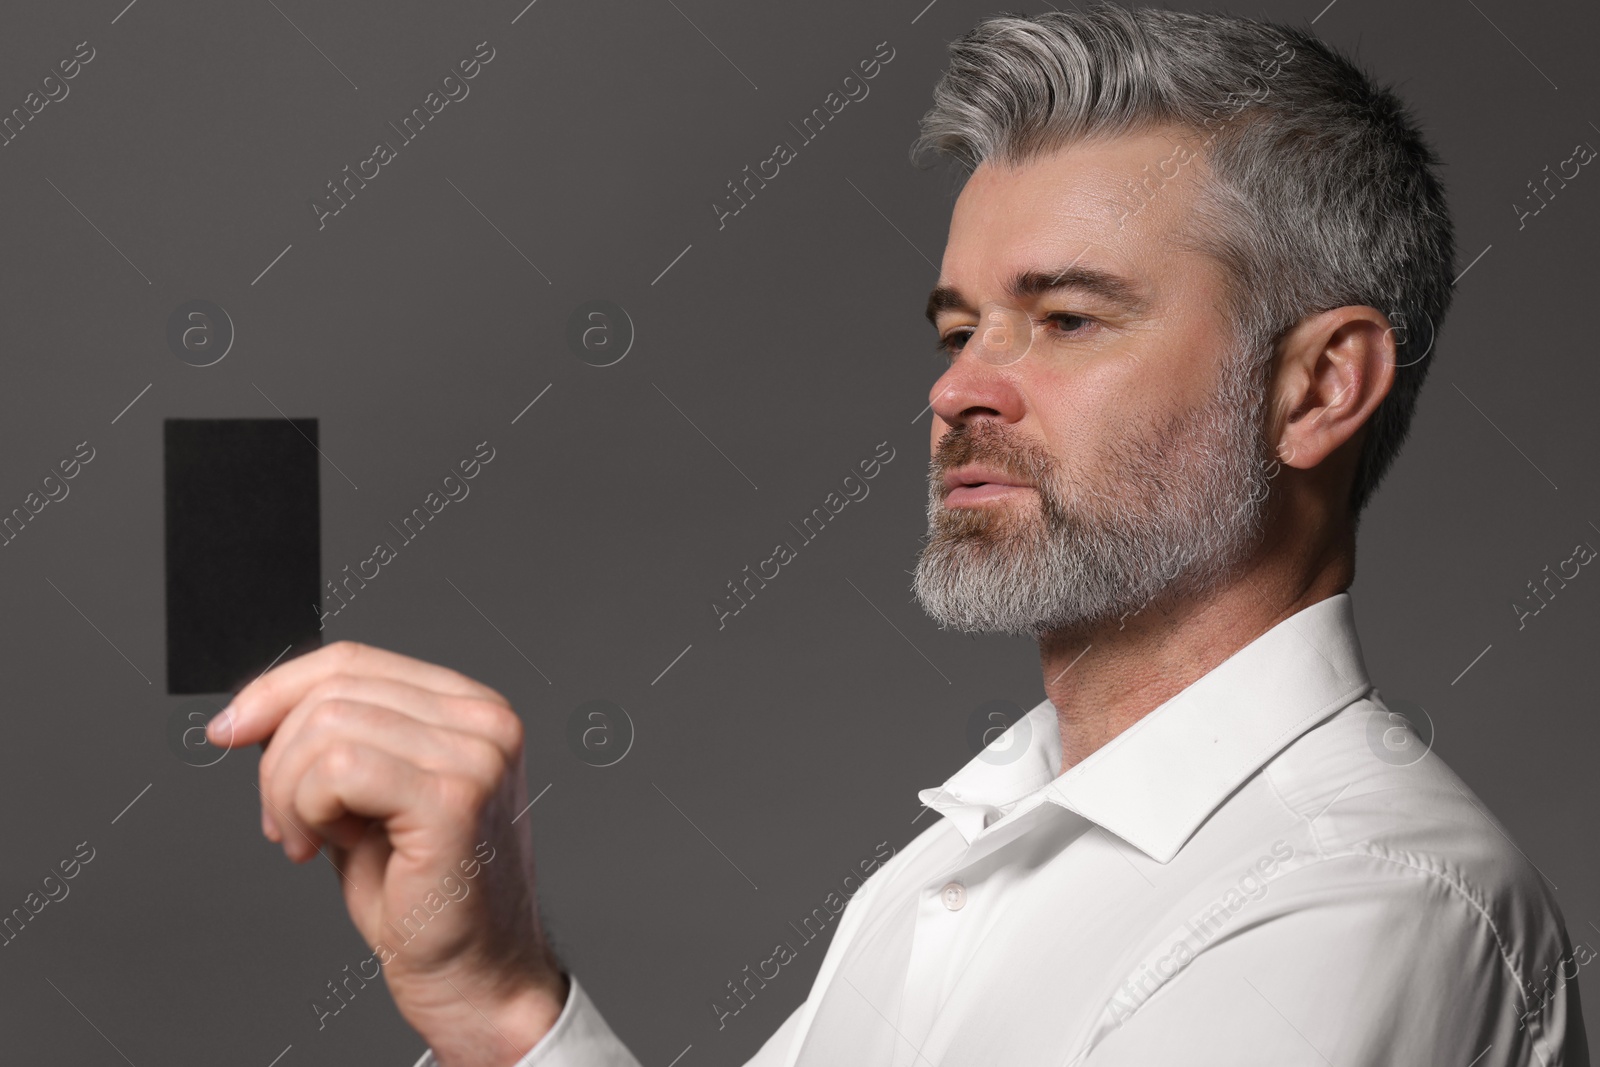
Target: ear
1333,369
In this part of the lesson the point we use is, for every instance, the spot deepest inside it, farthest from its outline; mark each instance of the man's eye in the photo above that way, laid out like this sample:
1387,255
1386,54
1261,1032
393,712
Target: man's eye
1063,323
1061,318
952,343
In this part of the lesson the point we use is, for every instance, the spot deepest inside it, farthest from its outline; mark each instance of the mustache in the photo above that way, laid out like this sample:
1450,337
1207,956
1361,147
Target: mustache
961,445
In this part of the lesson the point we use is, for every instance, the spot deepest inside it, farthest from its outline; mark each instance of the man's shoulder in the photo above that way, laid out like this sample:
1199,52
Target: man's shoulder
1369,790
1359,872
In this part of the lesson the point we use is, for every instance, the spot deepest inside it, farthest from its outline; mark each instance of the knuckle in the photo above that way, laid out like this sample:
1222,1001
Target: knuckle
460,796
329,688
336,712
341,761
506,728
337,716
488,763
477,689
491,720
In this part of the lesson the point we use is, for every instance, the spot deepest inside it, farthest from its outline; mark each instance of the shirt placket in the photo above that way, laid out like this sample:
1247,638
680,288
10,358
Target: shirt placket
949,901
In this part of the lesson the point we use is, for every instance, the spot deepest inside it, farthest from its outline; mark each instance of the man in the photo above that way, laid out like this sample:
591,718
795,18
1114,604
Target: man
1183,295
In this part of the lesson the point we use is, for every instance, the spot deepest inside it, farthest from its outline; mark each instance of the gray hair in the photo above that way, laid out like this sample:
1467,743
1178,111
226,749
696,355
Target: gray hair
1319,190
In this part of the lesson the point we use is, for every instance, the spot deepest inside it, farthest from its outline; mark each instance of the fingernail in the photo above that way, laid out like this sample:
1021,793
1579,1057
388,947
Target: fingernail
268,828
220,728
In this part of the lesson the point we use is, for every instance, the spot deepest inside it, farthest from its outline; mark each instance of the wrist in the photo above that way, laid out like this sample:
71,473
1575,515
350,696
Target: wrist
490,1028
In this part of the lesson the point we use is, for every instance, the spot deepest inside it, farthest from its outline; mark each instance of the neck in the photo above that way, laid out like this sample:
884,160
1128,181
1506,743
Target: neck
1103,679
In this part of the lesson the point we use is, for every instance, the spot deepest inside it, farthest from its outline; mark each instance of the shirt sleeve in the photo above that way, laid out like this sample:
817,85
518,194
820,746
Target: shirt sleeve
579,1038
1363,959
775,1049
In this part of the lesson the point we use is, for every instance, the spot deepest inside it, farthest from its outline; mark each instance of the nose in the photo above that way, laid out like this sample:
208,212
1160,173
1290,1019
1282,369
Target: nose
983,380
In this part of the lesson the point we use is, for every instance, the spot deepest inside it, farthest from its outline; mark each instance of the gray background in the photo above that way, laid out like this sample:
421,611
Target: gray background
795,739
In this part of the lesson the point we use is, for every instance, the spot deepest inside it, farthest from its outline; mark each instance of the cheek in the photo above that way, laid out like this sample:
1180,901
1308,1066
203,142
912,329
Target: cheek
1078,412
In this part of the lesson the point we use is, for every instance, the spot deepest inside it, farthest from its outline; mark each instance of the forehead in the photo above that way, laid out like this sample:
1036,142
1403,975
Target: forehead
1120,202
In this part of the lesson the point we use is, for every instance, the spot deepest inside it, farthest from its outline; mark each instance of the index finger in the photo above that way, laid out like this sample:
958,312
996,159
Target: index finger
258,709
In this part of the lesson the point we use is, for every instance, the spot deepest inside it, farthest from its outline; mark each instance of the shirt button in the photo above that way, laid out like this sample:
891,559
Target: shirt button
954,895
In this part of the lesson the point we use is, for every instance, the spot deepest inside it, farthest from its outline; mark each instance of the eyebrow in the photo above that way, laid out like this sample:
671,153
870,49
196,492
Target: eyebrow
1025,285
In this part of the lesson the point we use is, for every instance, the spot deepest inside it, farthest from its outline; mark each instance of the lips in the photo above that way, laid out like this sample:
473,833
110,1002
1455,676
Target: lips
974,485
973,474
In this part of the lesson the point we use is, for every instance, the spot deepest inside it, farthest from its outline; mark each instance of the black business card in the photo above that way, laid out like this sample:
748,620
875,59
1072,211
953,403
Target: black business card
243,548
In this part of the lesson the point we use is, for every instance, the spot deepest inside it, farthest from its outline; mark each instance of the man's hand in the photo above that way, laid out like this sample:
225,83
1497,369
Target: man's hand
405,769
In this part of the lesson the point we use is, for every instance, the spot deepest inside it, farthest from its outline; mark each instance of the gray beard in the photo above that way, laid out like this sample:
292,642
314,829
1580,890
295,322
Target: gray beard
1173,510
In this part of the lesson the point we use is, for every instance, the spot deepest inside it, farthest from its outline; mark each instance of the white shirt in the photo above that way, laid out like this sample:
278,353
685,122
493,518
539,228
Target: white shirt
1259,871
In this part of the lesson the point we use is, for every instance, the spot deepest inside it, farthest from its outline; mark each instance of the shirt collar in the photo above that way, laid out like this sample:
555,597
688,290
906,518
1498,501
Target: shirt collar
1155,783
